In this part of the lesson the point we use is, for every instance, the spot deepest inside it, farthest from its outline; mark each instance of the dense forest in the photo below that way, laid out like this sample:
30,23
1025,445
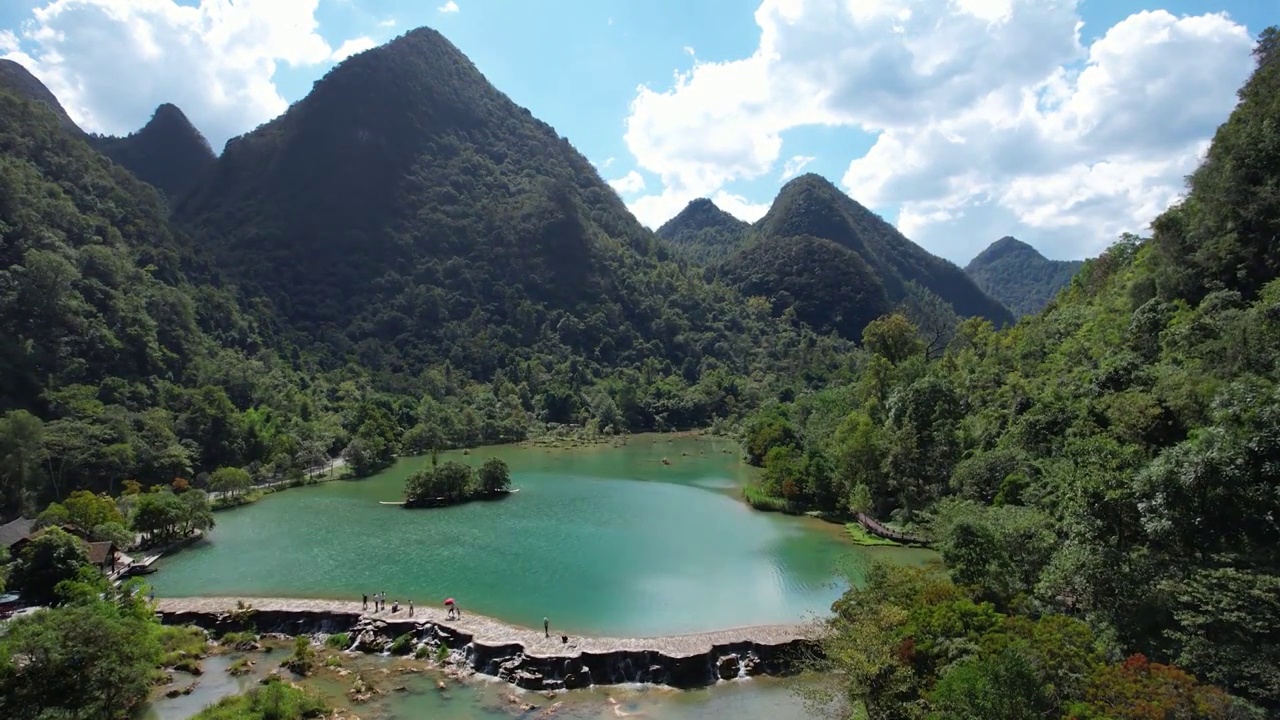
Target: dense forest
1017,275
704,233
1100,478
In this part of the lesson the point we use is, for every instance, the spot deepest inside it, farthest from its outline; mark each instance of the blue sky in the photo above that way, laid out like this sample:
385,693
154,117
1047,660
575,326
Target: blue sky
949,152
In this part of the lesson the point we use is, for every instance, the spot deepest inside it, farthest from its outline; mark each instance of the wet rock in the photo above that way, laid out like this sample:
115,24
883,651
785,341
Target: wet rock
752,665
527,679
727,667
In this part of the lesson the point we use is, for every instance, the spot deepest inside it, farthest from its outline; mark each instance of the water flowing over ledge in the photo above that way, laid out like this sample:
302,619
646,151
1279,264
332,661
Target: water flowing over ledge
521,656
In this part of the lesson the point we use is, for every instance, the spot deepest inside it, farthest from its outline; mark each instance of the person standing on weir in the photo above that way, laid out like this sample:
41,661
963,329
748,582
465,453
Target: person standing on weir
546,627
364,602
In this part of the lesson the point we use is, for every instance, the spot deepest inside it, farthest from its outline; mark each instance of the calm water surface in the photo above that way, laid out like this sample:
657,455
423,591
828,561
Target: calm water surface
603,540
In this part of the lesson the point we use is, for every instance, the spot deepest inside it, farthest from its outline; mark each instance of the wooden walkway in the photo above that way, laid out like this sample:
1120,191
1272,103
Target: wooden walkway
488,631
875,527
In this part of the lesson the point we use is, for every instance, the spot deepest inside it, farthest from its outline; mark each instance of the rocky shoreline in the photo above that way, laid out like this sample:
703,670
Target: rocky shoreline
520,656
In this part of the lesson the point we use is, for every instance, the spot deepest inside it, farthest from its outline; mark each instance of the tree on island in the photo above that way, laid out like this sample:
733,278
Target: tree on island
494,476
452,482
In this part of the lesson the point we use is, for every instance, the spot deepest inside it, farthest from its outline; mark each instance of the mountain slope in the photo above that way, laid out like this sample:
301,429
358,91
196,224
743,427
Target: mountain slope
826,285
168,152
811,207
1017,275
408,215
704,232
19,81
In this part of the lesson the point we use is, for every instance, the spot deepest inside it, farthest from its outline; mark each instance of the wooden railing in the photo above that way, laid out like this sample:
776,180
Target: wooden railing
875,527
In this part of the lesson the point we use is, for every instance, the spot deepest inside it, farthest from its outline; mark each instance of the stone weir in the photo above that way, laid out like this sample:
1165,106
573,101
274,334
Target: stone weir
521,656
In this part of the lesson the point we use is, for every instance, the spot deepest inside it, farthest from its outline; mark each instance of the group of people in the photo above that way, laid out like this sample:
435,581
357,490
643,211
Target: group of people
380,603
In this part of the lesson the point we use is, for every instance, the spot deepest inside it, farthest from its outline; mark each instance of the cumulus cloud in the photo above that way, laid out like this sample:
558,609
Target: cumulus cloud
354,46
112,62
628,184
449,7
990,116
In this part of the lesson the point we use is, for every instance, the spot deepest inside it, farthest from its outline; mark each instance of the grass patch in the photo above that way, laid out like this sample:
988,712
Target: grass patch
422,652
442,654
760,500
181,647
333,661
240,666
861,536
338,641
274,701
242,641
401,645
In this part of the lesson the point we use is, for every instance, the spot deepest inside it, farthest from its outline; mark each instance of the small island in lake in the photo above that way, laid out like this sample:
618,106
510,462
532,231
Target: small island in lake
453,483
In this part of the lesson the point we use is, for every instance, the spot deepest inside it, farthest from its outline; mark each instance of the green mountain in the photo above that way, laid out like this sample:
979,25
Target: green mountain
827,286
168,152
785,263
408,216
704,232
18,81
1017,275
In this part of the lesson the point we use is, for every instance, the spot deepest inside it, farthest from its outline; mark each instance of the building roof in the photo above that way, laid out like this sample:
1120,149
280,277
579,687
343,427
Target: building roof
100,552
11,533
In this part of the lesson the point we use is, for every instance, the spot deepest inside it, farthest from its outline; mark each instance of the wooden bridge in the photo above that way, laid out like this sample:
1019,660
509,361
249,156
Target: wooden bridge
875,527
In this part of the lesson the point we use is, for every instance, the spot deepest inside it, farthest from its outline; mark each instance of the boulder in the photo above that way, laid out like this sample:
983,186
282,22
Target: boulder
727,667
527,679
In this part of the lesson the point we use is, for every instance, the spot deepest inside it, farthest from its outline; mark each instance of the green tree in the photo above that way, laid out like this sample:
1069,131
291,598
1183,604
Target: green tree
87,661
893,337
231,481
159,516
494,476
22,458
44,562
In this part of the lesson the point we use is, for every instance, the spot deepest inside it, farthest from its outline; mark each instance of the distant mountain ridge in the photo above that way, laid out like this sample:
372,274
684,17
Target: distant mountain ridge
786,262
704,232
1017,275
168,152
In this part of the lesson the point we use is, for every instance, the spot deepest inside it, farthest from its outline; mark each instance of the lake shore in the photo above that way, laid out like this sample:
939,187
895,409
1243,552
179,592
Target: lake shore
518,655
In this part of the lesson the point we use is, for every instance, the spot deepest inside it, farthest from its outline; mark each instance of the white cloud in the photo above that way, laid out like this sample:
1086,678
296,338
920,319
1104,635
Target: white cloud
653,210
989,116
688,49
354,46
8,42
449,7
388,23
793,166
112,62
628,184
604,164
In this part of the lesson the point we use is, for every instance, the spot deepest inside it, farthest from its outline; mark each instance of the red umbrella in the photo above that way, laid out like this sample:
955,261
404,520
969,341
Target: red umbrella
449,602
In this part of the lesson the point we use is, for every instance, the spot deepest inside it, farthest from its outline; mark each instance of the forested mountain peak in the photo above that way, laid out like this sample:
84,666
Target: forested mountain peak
810,206
704,231
18,80
1017,275
409,216
1007,245
168,152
